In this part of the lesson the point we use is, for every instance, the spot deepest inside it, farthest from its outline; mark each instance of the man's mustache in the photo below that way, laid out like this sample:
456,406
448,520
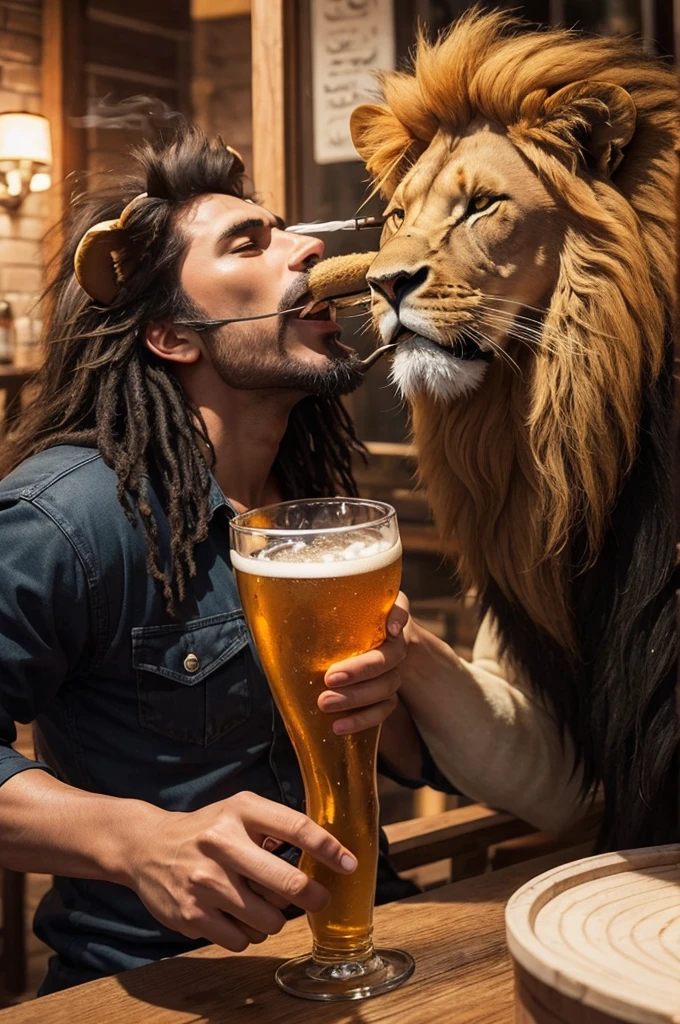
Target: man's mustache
297,293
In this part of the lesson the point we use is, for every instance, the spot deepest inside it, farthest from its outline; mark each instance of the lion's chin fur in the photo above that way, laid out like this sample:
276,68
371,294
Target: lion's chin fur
423,367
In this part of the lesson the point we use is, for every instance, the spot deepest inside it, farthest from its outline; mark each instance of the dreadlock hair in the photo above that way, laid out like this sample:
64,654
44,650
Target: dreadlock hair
100,386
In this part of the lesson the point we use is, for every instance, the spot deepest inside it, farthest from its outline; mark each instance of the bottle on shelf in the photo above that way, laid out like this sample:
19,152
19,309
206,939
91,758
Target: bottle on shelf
26,343
6,332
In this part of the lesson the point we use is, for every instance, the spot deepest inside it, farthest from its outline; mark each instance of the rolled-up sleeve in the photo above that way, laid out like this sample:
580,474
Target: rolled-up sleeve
493,739
430,775
44,620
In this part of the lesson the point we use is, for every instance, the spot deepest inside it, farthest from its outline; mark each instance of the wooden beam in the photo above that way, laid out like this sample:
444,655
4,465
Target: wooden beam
63,90
201,9
269,102
450,834
465,830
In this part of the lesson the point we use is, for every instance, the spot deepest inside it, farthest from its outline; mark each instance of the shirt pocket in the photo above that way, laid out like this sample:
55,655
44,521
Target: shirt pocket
192,679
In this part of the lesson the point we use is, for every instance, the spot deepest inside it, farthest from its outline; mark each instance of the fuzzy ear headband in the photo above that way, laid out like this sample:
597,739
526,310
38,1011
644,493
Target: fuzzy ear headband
100,262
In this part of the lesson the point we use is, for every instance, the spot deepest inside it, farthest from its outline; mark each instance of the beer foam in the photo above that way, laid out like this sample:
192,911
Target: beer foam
320,559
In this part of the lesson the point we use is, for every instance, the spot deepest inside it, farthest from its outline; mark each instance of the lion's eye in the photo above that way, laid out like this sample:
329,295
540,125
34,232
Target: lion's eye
395,218
481,202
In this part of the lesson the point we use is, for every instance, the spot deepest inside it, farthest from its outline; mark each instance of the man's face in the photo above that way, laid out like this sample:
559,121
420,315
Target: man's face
240,262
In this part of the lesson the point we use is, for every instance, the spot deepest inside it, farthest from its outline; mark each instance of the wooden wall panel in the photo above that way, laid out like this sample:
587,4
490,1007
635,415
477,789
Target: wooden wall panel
134,50
110,51
269,102
169,14
129,49
221,84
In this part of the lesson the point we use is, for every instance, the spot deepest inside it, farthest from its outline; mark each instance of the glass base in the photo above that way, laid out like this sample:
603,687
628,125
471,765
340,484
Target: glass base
350,979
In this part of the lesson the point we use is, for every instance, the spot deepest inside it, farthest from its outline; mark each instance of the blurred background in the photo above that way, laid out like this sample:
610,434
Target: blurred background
277,79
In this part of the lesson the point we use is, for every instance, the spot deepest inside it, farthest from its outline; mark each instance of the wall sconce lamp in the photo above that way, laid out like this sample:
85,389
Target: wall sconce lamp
25,157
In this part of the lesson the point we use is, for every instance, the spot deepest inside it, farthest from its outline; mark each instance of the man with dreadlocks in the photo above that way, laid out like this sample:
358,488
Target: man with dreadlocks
165,766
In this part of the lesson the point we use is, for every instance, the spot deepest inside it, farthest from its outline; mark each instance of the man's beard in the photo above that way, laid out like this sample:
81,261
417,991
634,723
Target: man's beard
238,359
239,367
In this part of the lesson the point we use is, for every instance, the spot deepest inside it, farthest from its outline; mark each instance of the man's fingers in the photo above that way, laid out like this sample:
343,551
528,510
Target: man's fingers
291,884
247,908
398,616
263,818
361,695
213,925
367,666
367,718
252,934
269,895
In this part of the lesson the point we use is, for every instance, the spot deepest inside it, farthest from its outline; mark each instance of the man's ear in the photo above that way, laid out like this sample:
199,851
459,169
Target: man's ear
598,117
177,344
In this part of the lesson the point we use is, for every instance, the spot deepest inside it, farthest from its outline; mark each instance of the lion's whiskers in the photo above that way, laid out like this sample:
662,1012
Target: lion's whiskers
513,302
540,334
354,316
532,320
573,316
479,336
523,327
511,326
528,340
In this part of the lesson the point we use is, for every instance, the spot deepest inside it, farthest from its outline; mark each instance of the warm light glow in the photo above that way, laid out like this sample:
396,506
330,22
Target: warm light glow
40,182
15,182
25,137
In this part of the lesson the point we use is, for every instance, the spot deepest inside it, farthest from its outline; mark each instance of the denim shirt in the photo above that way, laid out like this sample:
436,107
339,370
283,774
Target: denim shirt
127,701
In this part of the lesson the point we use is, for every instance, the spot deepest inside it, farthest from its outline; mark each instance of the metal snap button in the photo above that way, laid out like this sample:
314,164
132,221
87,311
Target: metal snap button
191,663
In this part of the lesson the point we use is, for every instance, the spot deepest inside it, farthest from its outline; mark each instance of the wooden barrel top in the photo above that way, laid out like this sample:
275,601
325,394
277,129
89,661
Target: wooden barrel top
605,931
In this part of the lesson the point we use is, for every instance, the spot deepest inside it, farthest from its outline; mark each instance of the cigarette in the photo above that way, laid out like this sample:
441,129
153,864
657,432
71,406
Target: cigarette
353,224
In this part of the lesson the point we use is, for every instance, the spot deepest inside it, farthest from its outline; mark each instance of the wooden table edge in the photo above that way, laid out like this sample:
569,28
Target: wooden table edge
495,887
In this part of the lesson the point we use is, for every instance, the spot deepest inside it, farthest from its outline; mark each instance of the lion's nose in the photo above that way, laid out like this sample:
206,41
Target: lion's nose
395,287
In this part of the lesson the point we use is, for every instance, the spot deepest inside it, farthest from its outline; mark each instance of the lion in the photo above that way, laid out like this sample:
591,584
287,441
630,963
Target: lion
526,270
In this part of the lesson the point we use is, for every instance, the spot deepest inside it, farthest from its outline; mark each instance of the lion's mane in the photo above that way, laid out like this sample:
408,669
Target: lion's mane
555,485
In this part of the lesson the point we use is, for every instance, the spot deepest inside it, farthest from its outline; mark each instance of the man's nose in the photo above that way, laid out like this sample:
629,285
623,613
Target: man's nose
304,247
396,286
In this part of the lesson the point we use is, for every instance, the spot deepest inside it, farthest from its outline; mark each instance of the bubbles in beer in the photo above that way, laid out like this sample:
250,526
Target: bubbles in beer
324,548
317,556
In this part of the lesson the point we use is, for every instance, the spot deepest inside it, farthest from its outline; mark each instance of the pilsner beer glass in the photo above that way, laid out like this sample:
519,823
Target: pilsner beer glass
317,579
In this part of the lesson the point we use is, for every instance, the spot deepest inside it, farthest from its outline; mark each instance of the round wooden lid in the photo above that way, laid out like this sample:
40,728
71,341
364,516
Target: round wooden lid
605,931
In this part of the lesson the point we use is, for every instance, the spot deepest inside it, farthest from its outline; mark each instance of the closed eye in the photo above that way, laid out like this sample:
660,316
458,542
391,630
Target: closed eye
248,236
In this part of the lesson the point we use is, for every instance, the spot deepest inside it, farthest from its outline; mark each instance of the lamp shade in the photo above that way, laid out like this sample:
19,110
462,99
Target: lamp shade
25,137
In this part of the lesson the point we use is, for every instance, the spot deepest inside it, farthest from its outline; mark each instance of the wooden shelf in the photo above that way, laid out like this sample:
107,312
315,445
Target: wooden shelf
14,374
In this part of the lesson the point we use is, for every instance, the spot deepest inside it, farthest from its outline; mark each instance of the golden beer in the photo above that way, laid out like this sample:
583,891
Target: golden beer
317,580
301,624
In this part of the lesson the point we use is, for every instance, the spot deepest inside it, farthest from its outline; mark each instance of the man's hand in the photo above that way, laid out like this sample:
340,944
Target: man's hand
362,691
206,874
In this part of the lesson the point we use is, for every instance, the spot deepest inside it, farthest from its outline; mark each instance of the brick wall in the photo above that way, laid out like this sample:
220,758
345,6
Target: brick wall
221,93
21,277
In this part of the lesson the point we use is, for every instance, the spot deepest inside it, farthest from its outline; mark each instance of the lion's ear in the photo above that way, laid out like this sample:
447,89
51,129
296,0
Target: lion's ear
361,124
382,142
368,125
601,116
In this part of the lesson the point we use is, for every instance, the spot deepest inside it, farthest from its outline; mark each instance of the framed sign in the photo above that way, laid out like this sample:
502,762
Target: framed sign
351,39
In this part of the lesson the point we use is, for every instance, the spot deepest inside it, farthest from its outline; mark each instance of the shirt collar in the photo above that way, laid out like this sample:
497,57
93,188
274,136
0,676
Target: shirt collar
218,500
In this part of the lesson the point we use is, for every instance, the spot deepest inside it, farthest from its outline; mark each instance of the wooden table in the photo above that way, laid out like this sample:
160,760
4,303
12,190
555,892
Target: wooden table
456,935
